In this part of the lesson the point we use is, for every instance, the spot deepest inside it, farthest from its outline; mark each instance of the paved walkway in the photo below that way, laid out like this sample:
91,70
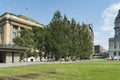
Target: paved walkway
20,64
27,63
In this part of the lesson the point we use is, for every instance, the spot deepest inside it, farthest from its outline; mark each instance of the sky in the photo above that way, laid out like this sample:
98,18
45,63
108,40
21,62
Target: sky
100,13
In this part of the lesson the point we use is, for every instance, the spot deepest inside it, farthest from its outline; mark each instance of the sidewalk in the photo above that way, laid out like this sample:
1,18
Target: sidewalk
20,64
28,63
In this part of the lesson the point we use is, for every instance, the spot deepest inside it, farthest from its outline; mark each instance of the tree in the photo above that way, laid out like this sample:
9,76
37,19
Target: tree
87,42
70,38
60,38
25,40
43,40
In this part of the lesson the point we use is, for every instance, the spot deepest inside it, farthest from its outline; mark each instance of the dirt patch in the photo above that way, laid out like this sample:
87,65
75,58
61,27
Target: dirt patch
20,77
54,72
9,78
30,75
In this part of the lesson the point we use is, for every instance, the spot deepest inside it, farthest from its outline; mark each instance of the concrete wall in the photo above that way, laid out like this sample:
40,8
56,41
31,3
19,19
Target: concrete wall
16,57
8,57
12,57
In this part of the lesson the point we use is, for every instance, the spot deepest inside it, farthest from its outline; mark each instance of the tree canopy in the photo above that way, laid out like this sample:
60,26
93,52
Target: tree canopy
61,38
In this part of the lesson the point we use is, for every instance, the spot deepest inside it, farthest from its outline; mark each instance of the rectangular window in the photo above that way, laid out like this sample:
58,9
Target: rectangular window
14,34
1,27
119,44
119,53
1,37
115,45
15,28
21,28
115,54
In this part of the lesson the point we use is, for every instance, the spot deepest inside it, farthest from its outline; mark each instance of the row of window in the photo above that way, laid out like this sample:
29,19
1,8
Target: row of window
117,32
115,53
116,45
15,30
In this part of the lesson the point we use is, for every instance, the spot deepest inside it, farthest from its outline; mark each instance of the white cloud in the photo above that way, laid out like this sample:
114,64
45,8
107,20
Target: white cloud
109,15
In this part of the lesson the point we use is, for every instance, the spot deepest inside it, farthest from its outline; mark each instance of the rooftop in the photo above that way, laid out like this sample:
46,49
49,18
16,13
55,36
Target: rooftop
21,17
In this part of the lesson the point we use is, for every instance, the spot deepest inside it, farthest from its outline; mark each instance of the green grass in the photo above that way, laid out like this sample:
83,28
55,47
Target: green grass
83,70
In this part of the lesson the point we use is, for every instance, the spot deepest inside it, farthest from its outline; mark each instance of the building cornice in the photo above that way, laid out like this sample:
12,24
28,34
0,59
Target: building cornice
11,48
20,19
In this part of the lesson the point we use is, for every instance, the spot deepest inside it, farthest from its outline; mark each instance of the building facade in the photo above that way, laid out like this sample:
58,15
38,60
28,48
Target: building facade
10,24
114,43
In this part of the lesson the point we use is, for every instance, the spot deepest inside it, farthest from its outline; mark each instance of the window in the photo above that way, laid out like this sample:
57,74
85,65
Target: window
1,27
1,37
119,44
14,34
117,32
114,53
115,45
15,28
21,28
119,53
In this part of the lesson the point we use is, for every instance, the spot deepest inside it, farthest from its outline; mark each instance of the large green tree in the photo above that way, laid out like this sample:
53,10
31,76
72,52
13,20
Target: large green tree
43,40
70,38
60,38
25,39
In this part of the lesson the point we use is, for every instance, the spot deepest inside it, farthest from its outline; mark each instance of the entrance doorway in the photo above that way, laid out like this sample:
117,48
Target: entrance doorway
2,57
12,57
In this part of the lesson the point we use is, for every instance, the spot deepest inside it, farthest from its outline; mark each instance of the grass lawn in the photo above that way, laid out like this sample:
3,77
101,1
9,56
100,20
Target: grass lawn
83,70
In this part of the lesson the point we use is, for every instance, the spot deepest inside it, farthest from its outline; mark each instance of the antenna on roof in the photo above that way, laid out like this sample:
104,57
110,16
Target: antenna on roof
26,11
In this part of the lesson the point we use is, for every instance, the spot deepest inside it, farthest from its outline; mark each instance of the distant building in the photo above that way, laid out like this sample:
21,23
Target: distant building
98,49
114,43
10,24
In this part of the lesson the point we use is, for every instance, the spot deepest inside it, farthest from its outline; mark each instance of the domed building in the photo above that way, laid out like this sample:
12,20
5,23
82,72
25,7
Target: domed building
114,43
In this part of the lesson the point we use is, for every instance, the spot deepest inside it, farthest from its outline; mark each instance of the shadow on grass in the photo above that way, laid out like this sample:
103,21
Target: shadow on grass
28,76
20,77
53,72
9,78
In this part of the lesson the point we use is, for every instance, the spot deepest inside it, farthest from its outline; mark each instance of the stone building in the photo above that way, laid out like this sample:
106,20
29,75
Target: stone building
114,43
10,24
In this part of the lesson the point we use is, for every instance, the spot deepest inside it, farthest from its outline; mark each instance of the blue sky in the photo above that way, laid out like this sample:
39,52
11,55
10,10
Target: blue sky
100,13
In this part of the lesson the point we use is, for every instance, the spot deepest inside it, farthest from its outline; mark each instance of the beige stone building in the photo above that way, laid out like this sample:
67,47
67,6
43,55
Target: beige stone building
10,24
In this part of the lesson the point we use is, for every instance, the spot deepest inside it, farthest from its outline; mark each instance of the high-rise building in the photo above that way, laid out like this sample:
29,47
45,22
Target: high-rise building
10,24
114,43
